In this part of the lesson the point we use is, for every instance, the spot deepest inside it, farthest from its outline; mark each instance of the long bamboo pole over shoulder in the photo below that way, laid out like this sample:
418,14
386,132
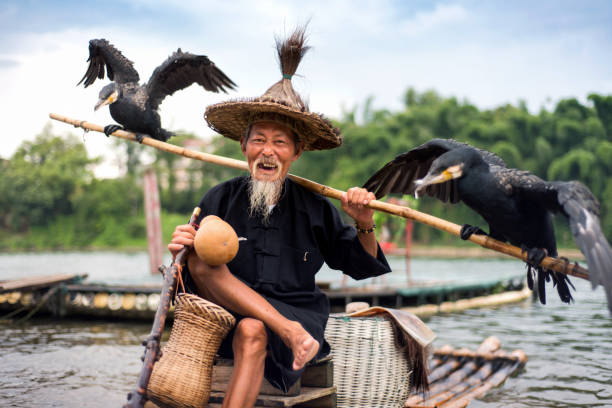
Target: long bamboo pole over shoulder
554,264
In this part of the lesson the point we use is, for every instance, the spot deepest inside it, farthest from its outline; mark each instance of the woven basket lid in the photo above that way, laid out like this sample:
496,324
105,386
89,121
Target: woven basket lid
280,103
196,306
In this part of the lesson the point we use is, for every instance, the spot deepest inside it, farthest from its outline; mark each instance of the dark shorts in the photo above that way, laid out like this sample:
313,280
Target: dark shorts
279,359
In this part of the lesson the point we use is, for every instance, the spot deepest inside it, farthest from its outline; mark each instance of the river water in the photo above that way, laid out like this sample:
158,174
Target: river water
67,363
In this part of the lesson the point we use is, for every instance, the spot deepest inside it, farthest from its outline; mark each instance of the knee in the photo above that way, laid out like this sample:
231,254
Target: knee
250,337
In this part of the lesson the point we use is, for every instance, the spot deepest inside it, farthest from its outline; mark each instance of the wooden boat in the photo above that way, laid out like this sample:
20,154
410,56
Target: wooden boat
72,297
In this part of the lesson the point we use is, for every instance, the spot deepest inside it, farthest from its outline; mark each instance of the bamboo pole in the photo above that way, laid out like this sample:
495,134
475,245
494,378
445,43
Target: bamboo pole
554,264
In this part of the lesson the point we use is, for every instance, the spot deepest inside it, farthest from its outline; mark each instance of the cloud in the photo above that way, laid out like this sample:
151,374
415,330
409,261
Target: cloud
8,63
427,21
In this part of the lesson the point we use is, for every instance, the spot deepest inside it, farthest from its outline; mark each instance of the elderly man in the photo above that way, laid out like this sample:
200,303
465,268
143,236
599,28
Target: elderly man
270,285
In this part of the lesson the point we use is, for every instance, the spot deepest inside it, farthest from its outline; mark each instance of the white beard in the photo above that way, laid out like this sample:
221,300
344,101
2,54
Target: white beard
262,195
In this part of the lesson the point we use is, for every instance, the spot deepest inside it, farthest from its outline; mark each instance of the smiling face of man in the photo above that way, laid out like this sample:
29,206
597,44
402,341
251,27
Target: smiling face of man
270,149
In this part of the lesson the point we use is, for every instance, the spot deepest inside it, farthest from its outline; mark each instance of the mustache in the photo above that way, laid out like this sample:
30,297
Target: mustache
267,161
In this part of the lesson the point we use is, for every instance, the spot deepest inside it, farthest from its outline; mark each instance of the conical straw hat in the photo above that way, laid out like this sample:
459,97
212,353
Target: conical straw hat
280,103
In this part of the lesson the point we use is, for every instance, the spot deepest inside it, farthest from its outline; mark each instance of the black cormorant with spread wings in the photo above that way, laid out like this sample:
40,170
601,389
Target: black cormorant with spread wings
135,106
517,205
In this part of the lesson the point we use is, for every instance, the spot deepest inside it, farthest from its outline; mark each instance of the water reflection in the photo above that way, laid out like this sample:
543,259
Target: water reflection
69,364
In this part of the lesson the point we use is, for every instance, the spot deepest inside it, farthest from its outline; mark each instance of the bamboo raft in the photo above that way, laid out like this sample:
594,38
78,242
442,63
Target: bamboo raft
457,377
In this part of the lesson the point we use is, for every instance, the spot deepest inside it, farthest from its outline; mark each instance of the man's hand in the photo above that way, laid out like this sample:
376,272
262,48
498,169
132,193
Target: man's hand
182,236
354,203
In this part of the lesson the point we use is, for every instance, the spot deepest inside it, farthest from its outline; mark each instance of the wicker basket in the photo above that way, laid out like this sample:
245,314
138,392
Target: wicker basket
182,376
369,369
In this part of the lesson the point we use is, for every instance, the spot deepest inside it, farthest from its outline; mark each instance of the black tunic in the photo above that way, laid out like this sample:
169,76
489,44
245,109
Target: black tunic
279,260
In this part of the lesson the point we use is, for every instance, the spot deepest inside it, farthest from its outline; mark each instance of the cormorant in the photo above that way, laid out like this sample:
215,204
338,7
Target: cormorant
517,205
135,106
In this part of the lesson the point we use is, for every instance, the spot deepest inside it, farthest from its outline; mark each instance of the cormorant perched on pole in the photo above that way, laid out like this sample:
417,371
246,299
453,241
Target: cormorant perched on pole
135,106
516,204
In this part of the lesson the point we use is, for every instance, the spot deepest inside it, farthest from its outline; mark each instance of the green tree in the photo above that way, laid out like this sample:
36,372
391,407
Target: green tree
41,178
104,211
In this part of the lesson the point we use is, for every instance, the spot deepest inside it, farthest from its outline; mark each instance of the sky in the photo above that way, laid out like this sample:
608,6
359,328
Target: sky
488,53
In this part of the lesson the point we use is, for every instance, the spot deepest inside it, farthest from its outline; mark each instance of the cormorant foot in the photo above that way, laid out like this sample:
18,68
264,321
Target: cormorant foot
140,137
535,255
566,262
467,230
110,129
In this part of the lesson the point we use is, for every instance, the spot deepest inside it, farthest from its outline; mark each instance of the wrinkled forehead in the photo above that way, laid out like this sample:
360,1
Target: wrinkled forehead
267,124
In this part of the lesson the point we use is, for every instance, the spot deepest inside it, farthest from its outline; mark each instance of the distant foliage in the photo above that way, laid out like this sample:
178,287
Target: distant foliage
41,180
49,197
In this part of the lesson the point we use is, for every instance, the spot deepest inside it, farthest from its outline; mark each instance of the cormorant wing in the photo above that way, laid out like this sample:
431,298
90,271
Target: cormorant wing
118,68
182,69
582,209
398,176
578,204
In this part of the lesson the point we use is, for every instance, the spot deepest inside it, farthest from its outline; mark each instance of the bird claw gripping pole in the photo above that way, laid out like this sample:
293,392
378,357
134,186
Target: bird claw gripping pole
137,397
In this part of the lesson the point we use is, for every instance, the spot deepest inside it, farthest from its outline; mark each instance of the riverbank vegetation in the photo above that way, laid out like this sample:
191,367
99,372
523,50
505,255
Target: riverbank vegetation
51,199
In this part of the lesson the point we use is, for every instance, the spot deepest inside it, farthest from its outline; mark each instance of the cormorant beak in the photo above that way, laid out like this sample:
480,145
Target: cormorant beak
453,172
111,98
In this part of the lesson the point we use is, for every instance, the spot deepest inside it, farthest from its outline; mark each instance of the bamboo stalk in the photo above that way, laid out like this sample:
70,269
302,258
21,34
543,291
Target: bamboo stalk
492,381
138,397
554,264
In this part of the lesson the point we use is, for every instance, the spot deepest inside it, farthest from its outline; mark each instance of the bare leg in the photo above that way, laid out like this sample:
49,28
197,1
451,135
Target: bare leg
250,340
219,285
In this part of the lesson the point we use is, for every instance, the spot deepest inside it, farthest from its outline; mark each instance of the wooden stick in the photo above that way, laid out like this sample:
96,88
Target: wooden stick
138,396
554,264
